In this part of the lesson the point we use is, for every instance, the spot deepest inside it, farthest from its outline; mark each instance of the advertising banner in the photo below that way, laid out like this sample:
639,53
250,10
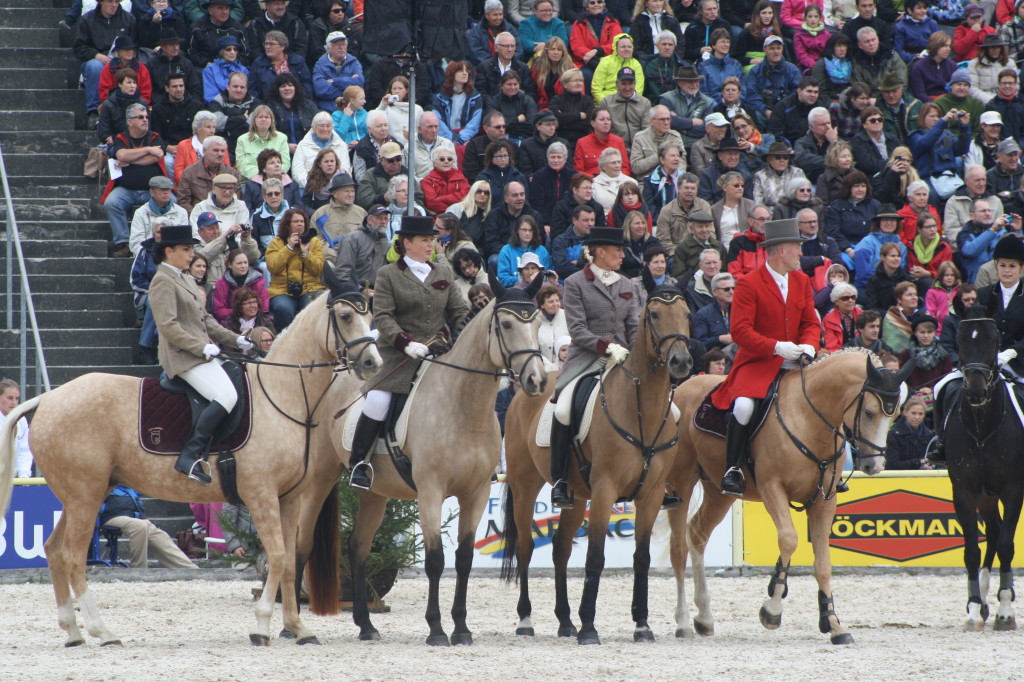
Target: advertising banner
893,519
31,517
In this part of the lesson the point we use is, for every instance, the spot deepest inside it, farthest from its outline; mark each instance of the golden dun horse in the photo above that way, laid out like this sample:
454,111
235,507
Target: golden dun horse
798,456
629,452
85,438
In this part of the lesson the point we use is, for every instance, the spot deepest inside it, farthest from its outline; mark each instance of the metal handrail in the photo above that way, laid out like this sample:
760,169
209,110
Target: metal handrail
27,308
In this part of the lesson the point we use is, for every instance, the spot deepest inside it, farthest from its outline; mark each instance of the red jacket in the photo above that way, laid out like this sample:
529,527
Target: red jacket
746,256
589,148
909,229
110,70
582,39
966,41
833,328
442,189
943,253
759,318
1005,11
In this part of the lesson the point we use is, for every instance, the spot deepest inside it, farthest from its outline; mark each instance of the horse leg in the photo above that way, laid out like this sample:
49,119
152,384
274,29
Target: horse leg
266,515
561,548
597,531
61,587
523,504
371,513
471,509
79,523
290,511
677,553
433,563
966,505
820,517
988,507
1005,618
777,505
712,510
646,514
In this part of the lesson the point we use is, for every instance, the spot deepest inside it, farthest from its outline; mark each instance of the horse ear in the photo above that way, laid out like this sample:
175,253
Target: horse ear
874,376
533,287
332,281
906,370
496,287
648,280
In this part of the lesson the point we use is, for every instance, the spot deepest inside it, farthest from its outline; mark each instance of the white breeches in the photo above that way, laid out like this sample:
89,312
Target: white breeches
213,383
377,404
743,410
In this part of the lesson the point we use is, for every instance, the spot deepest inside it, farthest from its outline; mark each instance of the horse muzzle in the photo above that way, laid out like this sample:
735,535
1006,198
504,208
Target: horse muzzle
534,382
679,361
367,361
871,464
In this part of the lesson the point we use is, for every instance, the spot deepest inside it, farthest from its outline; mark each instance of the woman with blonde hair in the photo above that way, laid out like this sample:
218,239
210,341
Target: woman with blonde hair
262,135
547,70
838,164
890,186
472,211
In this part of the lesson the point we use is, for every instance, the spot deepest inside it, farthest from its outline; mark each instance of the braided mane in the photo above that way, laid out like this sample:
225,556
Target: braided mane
851,349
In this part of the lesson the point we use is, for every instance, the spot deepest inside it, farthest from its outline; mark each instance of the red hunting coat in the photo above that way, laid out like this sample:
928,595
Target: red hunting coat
759,318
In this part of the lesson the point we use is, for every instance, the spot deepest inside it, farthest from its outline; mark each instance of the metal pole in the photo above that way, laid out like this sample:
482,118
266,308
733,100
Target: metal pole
22,344
9,265
410,204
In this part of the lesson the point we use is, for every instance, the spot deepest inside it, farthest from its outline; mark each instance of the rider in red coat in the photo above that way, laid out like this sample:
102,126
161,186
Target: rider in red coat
774,323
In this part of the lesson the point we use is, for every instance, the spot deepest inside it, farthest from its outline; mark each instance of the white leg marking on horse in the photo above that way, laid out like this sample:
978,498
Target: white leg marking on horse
1005,618
264,611
984,580
67,621
974,622
91,614
526,623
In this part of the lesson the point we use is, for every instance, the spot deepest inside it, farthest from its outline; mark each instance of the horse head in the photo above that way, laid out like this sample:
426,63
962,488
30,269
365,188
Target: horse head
667,318
512,335
881,396
349,314
978,342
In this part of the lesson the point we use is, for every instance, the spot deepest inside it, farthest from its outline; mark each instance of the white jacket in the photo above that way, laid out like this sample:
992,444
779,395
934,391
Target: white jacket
142,224
235,213
23,460
305,155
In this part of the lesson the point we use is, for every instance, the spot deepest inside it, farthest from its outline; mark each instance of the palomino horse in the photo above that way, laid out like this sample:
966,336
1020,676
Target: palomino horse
983,437
635,415
85,440
453,443
799,455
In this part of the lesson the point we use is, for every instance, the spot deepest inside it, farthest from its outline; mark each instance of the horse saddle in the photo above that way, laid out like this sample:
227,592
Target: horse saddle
575,407
710,419
168,408
396,427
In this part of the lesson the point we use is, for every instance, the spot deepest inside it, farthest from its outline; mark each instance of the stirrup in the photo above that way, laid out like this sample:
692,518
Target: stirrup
670,502
203,477
567,497
935,452
735,488
358,472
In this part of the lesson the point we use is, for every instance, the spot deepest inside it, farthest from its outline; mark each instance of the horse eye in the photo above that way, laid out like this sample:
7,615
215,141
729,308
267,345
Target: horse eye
654,316
346,317
506,325
869,414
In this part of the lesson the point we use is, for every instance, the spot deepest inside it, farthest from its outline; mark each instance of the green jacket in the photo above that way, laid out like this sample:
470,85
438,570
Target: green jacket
608,68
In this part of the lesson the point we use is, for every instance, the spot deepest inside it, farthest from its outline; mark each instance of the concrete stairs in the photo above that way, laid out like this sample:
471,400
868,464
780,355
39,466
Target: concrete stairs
82,297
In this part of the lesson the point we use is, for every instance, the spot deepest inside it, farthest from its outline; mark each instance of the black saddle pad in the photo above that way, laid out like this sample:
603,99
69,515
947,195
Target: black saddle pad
166,418
581,396
710,419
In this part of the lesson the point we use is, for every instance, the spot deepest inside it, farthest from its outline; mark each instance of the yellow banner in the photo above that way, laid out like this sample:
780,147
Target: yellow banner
894,519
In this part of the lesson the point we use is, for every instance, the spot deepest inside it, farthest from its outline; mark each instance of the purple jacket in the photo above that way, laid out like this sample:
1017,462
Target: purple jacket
928,80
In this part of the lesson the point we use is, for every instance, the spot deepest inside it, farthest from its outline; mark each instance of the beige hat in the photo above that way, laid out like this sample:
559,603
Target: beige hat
390,150
225,179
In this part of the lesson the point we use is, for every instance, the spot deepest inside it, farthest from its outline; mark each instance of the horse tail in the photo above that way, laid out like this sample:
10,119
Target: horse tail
8,449
226,465
511,532
324,578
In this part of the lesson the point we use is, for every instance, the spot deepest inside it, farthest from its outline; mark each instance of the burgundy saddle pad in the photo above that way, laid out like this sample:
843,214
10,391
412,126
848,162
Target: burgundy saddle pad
165,421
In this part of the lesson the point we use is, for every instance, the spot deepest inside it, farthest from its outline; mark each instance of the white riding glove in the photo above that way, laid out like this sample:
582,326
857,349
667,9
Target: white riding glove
211,350
788,350
617,353
416,350
1006,356
244,344
809,351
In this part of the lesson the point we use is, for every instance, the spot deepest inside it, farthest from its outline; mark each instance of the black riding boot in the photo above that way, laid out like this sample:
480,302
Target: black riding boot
198,441
360,472
935,451
734,483
560,435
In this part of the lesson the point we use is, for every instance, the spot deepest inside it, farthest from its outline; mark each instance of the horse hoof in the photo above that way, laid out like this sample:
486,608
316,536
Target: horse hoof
586,638
974,625
286,634
74,642
259,640
524,632
842,638
567,630
369,636
704,630
311,639
984,612
462,638
113,642
438,640
1005,624
684,633
643,636
768,620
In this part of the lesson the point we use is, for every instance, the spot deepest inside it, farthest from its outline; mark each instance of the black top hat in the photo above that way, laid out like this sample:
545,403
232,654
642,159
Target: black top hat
728,144
175,235
169,35
416,226
1010,247
604,236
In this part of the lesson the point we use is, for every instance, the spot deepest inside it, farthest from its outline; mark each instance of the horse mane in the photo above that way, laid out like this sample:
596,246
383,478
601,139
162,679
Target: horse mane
461,327
858,350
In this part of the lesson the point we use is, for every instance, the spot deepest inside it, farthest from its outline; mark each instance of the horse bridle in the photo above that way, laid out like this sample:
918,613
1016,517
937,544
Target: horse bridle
989,372
359,304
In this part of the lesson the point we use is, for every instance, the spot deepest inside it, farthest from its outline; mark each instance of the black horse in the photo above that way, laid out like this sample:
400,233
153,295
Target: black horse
983,437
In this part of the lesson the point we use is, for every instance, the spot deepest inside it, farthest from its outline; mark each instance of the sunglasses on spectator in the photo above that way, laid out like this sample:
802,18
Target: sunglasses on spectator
445,158
272,194
499,127
848,298
231,48
338,10
875,119
144,118
726,288
484,191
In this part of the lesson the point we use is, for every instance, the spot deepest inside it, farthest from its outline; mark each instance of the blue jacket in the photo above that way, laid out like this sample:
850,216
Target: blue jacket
262,74
659,191
708,325
480,43
532,31
216,76
766,85
911,37
350,128
976,248
508,257
715,70
866,255
498,178
935,150
566,248
330,81
469,119
143,270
